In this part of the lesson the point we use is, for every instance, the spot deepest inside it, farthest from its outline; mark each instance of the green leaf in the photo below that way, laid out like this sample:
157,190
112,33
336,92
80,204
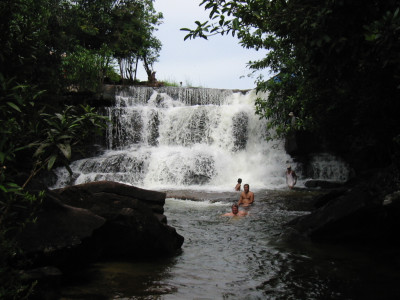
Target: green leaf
65,149
41,149
51,162
14,106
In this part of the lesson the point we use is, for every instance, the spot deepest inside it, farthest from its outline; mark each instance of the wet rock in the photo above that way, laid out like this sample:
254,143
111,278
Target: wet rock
363,212
352,216
108,197
325,184
240,122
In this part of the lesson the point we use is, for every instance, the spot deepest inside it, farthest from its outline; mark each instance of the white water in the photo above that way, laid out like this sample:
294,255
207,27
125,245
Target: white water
180,138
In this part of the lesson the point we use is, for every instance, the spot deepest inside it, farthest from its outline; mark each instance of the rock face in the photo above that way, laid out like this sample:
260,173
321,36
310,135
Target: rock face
315,183
355,215
88,222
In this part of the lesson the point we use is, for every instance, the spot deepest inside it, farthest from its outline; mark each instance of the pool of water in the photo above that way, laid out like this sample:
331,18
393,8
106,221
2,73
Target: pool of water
247,257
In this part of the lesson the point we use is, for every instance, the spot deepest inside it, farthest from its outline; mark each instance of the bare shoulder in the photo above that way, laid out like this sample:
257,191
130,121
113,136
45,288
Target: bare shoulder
227,215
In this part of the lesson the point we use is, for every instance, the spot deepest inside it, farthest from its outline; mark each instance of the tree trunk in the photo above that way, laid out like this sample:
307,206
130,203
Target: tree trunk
151,75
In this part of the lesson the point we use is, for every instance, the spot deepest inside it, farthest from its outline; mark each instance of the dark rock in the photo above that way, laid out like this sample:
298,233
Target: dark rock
107,197
240,133
301,143
136,234
107,220
325,184
323,199
353,216
58,234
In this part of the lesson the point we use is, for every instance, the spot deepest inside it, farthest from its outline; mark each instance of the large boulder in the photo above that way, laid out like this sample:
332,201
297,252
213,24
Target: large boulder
106,197
356,215
60,234
88,222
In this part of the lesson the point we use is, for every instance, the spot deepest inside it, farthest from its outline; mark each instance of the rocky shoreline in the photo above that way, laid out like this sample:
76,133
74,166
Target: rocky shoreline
85,223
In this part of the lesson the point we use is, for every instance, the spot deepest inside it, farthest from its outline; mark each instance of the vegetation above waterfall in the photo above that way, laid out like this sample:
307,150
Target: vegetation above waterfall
336,66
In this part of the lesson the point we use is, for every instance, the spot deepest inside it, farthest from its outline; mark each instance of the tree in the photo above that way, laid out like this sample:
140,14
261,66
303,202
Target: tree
134,24
335,63
29,42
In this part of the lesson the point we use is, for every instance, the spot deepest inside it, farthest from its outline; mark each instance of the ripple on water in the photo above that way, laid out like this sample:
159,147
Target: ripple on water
242,258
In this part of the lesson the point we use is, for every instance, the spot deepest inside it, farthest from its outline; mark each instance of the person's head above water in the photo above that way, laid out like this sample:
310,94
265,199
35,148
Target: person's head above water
235,208
240,180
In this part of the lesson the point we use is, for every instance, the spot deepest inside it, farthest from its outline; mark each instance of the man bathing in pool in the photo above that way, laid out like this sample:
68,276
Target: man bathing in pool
235,212
246,197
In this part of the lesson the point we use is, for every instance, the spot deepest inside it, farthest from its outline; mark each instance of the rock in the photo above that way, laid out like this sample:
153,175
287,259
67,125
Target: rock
240,134
300,143
107,197
325,184
58,234
134,233
353,216
323,199
107,220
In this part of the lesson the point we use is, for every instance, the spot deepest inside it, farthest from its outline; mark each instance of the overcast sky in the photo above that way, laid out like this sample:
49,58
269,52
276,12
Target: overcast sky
218,62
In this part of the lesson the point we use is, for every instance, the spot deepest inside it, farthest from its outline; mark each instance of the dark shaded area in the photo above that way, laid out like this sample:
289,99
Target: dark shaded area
86,223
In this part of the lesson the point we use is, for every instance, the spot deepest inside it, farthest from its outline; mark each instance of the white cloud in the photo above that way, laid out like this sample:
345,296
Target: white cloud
218,62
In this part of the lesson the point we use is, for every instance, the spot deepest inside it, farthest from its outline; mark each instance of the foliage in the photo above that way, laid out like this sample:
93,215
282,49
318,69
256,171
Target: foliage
41,40
30,43
85,69
28,130
70,129
17,209
335,62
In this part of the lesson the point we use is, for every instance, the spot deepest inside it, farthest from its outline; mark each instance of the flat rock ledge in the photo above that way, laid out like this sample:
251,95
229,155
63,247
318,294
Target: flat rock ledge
90,222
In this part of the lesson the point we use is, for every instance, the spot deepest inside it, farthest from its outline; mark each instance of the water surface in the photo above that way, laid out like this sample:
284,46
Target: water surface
241,258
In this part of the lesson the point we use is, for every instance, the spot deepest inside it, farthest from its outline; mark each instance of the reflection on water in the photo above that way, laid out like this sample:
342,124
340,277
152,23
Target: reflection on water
240,258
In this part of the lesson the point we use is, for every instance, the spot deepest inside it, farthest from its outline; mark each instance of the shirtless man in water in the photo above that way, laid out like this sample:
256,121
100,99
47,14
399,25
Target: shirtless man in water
246,197
235,212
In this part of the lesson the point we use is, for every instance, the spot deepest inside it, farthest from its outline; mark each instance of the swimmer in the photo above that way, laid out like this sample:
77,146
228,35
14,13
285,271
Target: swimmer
246,197
235,212
238,185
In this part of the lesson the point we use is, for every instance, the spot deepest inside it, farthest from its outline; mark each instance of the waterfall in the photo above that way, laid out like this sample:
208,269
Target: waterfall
326,166
184,138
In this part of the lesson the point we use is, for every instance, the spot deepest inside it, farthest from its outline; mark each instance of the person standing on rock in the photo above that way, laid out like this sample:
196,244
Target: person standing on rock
246,197
238,185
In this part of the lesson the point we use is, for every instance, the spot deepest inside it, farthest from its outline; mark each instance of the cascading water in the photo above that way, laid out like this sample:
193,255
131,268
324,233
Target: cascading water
184,137
328,167
180,138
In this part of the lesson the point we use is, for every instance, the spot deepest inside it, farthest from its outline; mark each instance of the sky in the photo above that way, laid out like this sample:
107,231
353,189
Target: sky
218,62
